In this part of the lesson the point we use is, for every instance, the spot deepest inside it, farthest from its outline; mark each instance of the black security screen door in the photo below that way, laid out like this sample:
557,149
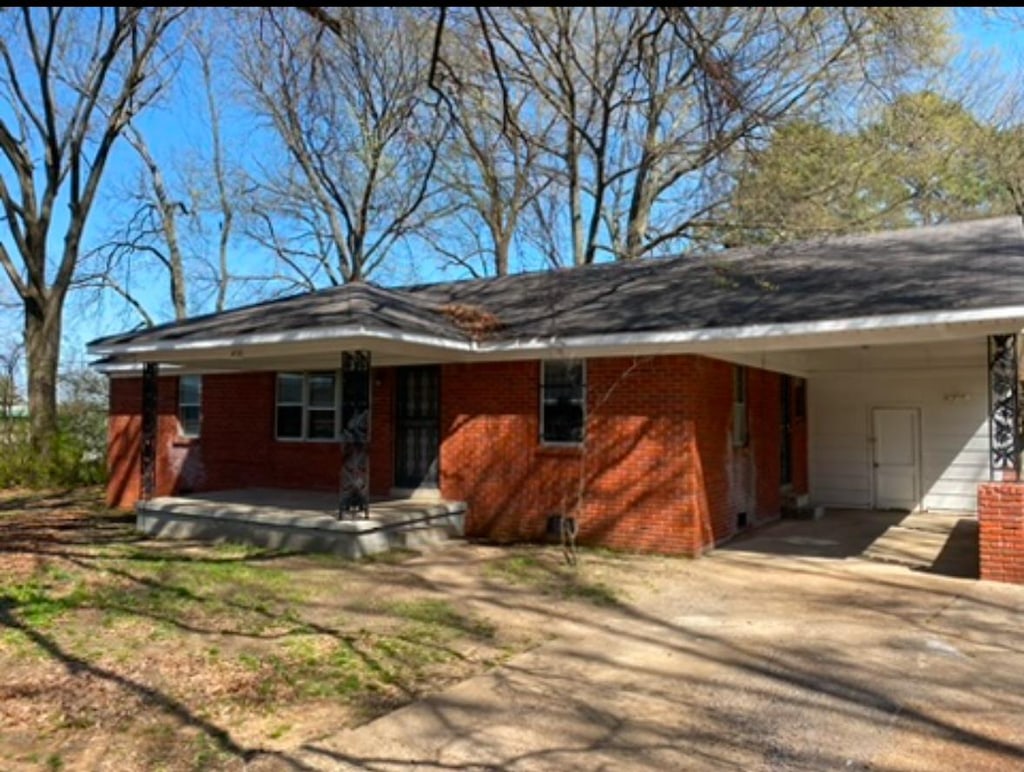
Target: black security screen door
417,427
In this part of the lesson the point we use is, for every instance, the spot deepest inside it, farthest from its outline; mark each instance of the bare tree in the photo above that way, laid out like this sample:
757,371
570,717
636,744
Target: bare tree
72,81
491,171
361,143
226,194
648,103
152,230
171,206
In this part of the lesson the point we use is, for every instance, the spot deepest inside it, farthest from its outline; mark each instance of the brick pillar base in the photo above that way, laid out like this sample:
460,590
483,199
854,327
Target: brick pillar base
1001,531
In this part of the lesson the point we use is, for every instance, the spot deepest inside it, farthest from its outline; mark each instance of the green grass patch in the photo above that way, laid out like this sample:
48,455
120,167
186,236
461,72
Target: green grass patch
413,637
279,731
518,569
37,603
597,593
534,573
312,666
224,588
227,586
434,618
207,754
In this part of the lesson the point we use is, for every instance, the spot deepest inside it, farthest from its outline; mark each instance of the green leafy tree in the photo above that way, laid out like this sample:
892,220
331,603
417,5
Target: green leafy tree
923,161
939,163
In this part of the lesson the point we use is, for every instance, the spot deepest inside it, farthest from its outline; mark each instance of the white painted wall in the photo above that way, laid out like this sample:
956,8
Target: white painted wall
946,382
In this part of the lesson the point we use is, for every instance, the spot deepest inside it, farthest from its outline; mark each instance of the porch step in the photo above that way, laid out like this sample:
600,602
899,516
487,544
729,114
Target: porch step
906,547
420,537
929,542
428,494
432,531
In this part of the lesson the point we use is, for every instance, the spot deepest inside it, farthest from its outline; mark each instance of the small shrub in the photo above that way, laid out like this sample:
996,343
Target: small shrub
79,456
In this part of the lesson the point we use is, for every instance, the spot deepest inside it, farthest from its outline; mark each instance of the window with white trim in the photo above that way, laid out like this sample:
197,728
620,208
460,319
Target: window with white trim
190,405
307,406
740,427
563,402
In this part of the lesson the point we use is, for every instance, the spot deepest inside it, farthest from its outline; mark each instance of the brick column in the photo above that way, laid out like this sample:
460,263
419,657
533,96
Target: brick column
1001,531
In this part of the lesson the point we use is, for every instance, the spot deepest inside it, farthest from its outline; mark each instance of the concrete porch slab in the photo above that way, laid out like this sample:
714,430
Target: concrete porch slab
300,521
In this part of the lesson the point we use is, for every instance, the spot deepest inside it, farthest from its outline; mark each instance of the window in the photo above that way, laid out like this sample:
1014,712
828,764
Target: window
740,433
321,406
307,406
290,387
563,398
190,404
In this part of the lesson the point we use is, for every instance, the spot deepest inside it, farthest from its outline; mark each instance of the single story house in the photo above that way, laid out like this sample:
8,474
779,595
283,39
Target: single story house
663,404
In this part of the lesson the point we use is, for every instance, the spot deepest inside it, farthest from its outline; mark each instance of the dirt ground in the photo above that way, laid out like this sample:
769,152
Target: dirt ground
831,644
121,653
791,648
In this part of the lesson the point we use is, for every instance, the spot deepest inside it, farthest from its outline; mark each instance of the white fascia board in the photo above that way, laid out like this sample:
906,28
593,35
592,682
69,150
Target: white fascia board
888,328
353,336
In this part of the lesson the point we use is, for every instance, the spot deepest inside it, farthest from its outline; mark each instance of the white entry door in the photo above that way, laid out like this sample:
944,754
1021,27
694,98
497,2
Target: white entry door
897,471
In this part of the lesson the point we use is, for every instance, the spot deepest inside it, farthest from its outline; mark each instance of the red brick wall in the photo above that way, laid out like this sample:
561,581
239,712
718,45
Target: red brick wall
658,471
124,440
124,434
1001,531
237,447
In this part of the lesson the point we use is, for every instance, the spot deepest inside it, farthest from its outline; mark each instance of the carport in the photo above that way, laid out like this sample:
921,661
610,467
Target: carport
922,419
897,425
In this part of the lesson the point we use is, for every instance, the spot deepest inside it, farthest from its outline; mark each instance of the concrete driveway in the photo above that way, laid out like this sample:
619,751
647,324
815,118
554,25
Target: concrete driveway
792,648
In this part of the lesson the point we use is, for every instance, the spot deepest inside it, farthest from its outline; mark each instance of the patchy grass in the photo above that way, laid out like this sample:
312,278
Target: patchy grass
437,618
128,653
532,570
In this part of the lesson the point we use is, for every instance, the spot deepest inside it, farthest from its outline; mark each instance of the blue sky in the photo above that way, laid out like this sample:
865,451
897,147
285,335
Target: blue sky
178,127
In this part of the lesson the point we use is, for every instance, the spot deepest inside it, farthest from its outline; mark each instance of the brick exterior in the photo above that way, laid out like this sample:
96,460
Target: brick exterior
1001,531
237,448
658,470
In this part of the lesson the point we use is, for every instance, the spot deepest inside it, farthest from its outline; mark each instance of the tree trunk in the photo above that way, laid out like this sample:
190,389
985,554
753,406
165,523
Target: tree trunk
42,353
502,245
576,207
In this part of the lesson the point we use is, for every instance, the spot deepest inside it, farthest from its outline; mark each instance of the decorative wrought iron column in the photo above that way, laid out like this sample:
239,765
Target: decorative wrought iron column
1004,407
150,396
355,434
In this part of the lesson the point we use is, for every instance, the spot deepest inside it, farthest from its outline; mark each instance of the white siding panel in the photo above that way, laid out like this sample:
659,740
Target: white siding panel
953,407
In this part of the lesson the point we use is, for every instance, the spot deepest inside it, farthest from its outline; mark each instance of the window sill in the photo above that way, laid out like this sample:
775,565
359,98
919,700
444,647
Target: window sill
185,442
308,440
568,451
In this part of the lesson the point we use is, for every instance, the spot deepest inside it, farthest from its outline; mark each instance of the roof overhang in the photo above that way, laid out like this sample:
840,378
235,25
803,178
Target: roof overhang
272,350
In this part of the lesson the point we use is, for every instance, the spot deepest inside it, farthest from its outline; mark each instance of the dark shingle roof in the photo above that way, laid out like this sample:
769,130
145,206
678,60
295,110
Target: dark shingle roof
350,305
970,265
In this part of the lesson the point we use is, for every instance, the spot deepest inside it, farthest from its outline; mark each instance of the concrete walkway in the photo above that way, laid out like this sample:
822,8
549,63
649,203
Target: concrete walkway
789,649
